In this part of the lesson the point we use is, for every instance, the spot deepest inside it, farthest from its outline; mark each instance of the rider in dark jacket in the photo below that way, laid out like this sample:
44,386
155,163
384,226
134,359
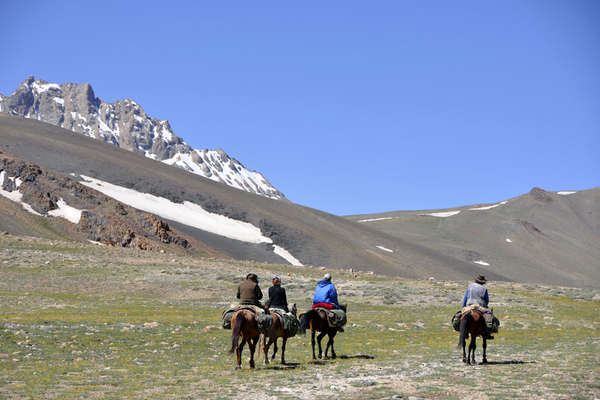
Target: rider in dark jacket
249,292
277,296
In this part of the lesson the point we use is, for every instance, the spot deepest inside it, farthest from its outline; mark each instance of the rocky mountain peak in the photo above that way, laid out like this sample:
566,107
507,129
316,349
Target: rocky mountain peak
125,124
540,195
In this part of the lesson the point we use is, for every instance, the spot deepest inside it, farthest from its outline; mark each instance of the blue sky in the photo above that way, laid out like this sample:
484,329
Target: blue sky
345,106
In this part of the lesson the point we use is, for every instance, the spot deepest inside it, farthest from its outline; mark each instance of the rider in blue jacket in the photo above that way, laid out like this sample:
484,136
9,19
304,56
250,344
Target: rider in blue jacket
326,292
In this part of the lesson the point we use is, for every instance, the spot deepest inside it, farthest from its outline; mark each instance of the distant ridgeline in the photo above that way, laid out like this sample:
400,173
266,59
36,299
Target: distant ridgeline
126,125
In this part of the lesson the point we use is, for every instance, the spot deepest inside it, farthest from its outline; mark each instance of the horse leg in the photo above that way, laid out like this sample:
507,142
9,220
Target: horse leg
319,338
284,340
472,347
265,347
274,349
464,333
252,344
238,353
484,351
331,336
312,341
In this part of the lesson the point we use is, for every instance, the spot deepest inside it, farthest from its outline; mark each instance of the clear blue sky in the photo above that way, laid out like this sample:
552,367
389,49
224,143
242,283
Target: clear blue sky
345,106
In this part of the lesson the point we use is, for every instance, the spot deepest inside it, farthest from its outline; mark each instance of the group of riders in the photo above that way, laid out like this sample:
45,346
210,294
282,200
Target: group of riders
476,297
249,293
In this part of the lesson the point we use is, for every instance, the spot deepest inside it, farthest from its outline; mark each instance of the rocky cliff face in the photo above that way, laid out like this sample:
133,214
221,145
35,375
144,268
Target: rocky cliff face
96,217
126,125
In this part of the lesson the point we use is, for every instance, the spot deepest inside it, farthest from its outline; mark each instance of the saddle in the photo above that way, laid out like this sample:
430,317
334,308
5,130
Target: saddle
492,323
336,318
228,314
289,321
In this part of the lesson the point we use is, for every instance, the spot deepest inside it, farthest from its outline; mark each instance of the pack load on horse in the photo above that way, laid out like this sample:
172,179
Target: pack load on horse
475,319
326,316
248,320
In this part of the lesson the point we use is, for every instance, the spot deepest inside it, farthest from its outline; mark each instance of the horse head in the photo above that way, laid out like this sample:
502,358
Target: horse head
294,309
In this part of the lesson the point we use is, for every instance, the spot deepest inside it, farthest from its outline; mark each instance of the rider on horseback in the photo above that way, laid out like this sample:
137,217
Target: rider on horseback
325,294
249,292
476,297
277,296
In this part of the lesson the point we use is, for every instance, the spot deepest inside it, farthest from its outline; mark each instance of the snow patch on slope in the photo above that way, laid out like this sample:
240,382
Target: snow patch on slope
481,262
15,195
67,212
385,249
187,213
489,207
374,219
444,214
565,193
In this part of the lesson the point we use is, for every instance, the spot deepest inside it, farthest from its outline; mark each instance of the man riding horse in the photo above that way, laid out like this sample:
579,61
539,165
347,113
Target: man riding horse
249,292
476,297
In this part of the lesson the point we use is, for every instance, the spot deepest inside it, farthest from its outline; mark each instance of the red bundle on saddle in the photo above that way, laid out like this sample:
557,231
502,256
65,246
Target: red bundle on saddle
323,305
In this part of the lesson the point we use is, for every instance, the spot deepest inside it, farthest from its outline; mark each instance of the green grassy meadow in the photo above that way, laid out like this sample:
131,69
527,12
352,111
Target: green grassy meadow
86,321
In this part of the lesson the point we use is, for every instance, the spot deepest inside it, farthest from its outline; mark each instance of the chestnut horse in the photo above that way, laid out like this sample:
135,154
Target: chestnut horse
276,331
244,323
472,323
317,321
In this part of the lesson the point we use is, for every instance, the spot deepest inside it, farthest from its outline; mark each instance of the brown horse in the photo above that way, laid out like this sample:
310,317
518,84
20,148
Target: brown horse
472,323
316,320
244,323
276,331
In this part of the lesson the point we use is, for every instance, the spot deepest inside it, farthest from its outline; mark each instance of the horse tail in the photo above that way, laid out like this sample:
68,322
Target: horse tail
463,329
305,320
236,329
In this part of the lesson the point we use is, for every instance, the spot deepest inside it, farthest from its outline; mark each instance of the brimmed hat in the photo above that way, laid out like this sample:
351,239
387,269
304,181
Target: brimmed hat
481,280
327,276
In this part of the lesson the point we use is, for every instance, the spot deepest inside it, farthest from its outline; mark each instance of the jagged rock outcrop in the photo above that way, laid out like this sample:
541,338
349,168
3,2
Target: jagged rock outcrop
98,217
126,125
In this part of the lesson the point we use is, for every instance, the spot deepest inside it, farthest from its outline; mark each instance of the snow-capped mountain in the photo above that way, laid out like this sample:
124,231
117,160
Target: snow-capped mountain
126,125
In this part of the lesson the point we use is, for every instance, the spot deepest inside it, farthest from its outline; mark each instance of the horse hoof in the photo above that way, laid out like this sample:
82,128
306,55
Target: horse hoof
465,360
484,361
238,367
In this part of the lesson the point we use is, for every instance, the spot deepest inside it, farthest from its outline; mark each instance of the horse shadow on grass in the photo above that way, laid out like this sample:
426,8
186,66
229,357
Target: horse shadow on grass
286,366
507,362
357,356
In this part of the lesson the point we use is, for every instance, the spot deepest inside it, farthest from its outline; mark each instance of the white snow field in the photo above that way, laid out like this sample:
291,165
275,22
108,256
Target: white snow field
489,207
374,219
67,212
385,249
565,193
187,213
444,214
